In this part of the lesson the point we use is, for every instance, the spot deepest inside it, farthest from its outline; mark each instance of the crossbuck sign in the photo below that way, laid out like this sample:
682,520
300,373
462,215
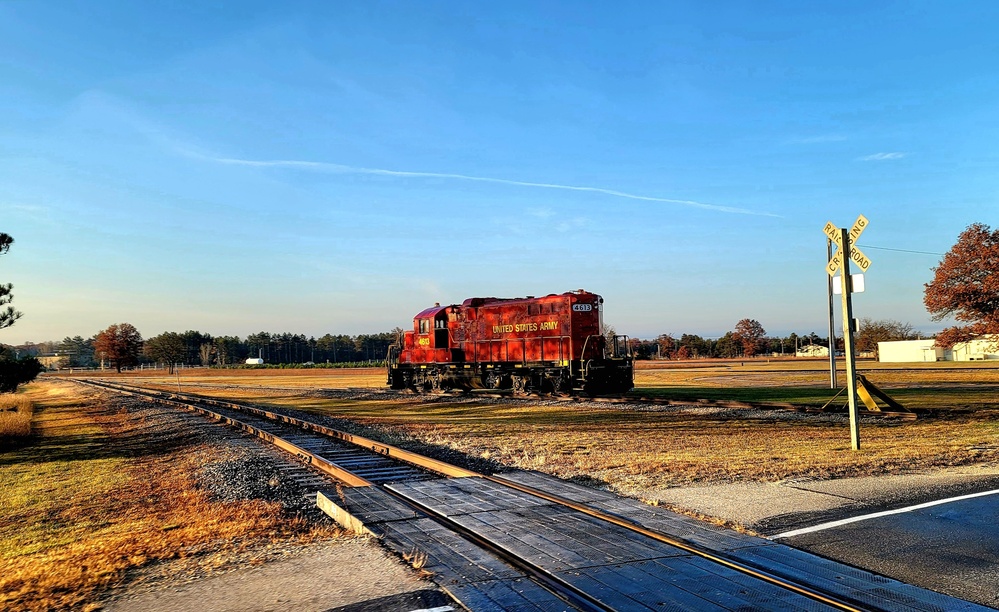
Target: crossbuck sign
846,241
856,255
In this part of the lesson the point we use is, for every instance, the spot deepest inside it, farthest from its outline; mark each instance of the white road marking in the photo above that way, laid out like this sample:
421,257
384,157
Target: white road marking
840,523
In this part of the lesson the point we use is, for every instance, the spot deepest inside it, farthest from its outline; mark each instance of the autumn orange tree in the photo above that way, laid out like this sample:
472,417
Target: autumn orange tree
966,286
121,344
749,333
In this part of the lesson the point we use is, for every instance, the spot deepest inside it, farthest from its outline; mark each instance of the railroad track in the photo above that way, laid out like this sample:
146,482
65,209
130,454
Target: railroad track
616,399
417,488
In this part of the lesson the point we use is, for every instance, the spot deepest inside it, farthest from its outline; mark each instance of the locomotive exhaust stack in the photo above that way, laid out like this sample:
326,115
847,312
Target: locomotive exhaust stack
550,344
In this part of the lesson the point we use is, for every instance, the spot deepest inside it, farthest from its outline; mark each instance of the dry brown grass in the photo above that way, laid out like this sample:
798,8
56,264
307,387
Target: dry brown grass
633,449
311,377
80,512
628,448
15,417
642,450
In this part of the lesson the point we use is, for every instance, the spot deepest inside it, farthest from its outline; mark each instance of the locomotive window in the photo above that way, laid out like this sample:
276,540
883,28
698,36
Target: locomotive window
424,326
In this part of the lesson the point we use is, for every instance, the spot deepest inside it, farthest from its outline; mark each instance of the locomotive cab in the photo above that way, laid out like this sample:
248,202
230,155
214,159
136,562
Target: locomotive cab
431,335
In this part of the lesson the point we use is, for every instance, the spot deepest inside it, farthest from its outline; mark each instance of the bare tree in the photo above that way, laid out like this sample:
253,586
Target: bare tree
205,353
887,330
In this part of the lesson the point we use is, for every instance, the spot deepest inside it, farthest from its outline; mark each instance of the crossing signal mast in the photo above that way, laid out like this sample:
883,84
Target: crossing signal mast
840,262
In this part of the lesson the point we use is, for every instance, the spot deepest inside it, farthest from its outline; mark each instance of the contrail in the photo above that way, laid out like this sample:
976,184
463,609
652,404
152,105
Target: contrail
330,167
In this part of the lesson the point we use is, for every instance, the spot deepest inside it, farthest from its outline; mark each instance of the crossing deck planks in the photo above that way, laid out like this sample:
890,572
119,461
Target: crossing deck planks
470,574
619,567
651,517
519,595
601,558
474,577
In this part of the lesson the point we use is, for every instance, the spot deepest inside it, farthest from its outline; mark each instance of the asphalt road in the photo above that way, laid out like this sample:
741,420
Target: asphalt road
951,545
951,548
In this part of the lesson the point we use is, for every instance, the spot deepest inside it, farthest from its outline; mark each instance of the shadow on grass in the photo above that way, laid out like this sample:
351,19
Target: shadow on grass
798,396
960,398
14,443
139,433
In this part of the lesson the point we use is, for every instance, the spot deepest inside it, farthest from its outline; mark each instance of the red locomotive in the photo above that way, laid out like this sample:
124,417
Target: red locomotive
550,344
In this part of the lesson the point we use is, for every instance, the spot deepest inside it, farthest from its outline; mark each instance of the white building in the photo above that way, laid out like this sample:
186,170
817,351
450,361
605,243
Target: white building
813,350
979,349
903,351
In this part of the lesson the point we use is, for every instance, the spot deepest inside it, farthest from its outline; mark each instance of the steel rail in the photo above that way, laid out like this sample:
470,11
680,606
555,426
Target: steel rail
304,455
558,587
455,471
682,544
555,585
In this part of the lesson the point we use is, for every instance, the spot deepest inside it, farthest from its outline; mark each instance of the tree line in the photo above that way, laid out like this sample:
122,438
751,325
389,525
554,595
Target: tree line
965,286
749,339
122,346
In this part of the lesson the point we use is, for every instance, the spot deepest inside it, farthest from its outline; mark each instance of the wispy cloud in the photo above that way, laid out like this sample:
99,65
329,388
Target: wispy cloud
883,156
341,168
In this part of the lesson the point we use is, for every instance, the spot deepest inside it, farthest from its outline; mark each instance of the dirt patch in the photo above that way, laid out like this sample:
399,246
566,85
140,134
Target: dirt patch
315,577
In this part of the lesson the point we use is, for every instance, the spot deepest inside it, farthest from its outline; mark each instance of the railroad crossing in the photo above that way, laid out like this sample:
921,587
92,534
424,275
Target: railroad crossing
528,541
840,262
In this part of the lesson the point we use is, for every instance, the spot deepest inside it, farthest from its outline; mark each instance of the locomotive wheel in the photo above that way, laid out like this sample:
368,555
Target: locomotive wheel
406,381
494,380
560,385
522,385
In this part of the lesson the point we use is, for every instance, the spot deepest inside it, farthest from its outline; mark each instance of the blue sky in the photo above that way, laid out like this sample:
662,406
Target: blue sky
337,167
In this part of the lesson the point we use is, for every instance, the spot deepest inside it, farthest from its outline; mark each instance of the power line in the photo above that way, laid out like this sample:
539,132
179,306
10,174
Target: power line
867,246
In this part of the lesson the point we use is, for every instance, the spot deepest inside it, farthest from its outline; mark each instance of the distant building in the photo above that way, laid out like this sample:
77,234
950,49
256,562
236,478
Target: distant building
902,351
813,350
979,349
905,351
254,361
53,362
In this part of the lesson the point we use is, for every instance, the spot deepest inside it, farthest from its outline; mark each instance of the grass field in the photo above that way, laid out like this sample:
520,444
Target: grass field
15,419
633,449
95,496
944,386
90,499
